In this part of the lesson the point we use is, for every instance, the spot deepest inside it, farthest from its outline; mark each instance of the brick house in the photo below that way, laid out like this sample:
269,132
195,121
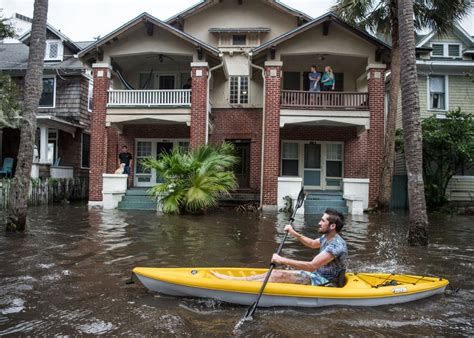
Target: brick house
248,62
63,117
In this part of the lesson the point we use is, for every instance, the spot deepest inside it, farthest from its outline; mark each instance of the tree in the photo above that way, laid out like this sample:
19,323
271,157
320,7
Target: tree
192,181
448,148
17,213
381,18
418,230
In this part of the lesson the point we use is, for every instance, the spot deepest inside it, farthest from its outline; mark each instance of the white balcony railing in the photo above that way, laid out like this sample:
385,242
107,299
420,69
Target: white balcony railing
149,98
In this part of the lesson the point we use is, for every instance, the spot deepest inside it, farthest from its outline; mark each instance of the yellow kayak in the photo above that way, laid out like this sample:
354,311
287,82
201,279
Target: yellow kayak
360,289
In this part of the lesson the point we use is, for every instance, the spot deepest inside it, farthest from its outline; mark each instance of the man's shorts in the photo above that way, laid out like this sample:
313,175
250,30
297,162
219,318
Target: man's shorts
316,278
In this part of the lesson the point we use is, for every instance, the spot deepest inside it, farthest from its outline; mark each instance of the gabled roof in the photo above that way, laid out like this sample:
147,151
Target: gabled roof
14,57
75,48
149,18
457,30
326,17
208,3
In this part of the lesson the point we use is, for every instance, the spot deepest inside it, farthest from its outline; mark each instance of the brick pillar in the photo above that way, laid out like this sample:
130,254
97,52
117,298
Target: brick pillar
376,88
98,151
271,148
199,73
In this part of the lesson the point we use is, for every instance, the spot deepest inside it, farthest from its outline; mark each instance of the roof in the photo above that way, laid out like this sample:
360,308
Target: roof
240,30
24,38
458,30
326,17
147,17
207,3
14,56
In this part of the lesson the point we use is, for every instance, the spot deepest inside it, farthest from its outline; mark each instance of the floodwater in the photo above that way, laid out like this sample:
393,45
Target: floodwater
68,274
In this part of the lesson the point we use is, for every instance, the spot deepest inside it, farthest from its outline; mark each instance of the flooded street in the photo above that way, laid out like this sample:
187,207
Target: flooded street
68,274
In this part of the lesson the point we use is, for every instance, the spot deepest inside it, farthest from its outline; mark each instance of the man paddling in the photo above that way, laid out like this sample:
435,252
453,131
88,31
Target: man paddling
326,267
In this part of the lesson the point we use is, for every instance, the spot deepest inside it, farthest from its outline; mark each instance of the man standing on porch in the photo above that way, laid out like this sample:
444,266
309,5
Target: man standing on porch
126,158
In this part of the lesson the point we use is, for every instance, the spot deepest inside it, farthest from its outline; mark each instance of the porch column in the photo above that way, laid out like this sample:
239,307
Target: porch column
375,144
271,134
98,149
43,145
199,74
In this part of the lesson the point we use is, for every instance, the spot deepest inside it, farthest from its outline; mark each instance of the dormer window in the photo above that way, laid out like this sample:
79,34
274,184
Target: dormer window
239,40
54,50
446,50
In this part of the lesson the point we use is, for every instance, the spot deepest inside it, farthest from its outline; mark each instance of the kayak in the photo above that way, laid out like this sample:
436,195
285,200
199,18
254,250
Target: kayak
360,289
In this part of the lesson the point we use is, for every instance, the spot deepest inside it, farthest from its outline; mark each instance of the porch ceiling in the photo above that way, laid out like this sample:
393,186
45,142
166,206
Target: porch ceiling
359,119
155,61
339,63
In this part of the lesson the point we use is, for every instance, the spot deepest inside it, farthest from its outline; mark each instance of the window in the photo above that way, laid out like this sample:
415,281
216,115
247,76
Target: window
54,50
289,159
90,94
437,88
166,82
334,160
85,151
239,40
48,96
52,145
239,89
452,50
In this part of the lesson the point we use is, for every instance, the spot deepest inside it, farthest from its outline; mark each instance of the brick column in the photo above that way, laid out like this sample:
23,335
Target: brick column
199,73
98,151
271,145
376,88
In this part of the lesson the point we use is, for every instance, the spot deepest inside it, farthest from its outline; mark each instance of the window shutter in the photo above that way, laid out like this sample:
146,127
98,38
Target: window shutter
438,49
453,50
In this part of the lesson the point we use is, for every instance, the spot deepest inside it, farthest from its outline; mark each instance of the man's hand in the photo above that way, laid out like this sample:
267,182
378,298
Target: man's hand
290,230
277,259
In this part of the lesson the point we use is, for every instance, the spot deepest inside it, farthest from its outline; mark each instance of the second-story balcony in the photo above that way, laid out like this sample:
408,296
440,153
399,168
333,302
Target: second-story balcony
152,98
297,99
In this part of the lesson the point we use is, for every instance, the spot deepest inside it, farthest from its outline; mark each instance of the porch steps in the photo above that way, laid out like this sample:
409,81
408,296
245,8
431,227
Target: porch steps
318,201
137,199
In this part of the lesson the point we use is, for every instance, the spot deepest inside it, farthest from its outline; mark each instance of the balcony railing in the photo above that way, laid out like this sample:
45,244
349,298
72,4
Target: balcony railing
324,100
149,98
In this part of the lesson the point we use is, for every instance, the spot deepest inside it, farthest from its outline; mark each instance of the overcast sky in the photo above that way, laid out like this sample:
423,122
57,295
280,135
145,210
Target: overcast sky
82,20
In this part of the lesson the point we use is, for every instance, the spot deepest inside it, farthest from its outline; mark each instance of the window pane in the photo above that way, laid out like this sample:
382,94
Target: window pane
53,50
244,89
437,84
167,82
312,156
143,150
90,95
333,168
289,167
438,49
183,146
239,40
334,152
47,96
290,151
453,50
234,87
437,101
86,145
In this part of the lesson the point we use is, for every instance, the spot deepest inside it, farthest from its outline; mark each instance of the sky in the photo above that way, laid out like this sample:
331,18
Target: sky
82,20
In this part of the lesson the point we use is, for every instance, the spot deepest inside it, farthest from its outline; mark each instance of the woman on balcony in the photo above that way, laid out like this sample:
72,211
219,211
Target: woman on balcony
328,82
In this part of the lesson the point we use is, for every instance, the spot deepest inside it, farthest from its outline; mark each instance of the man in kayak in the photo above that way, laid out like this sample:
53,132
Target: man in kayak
326,267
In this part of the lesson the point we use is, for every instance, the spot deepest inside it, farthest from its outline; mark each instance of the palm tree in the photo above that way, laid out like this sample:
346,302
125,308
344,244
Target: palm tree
16,215
381,17
418,231
192,181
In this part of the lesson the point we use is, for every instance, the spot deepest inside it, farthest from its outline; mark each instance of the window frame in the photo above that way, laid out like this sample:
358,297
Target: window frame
239,44
446,50
54,92
446,93
297,159
60,55
90,95
239,90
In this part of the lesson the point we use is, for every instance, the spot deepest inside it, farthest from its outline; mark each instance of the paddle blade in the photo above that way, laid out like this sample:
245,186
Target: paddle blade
250,311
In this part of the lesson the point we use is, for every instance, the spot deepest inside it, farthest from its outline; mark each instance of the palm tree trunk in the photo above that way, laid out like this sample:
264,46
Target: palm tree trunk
418,231
385,192
16,215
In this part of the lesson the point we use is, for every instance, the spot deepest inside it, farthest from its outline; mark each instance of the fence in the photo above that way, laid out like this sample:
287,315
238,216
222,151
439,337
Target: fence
47,191
174,97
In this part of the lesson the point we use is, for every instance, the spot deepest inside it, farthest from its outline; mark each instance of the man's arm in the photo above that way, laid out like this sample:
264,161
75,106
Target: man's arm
319,260
310,243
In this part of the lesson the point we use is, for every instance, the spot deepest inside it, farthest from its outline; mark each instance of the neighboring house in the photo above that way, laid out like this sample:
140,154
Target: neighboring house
445,66
63,117
248,62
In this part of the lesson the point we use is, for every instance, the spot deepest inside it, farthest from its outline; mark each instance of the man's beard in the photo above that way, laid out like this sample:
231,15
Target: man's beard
324,232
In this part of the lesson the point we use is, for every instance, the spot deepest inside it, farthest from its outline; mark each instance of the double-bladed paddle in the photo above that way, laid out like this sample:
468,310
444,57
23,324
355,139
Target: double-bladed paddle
251,310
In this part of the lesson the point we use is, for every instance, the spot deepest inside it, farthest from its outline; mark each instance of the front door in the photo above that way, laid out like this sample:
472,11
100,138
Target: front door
161,148
312,166
242,168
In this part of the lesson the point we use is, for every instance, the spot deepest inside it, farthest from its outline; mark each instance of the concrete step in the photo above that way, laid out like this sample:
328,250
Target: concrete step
137,192
325,203
319,210
136,206
324,195
137,198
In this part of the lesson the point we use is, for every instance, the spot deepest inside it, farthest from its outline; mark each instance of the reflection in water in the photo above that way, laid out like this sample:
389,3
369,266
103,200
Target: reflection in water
67,275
